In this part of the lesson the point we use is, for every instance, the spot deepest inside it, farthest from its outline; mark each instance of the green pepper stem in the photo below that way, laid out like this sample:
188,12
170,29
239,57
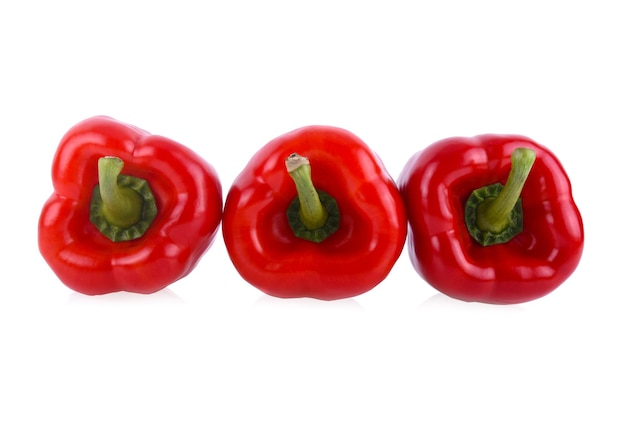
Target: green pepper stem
122,206
494,215
312,213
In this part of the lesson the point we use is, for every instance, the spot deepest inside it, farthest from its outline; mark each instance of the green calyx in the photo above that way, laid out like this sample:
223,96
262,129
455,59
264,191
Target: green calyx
493,213
122,207
313,214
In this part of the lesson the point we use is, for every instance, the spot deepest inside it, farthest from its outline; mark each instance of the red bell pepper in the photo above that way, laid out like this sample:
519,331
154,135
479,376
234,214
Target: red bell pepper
327,222
498,245
138,231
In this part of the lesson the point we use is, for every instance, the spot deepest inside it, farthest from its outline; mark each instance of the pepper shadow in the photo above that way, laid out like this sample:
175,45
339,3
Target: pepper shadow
309,304
440,302
162,297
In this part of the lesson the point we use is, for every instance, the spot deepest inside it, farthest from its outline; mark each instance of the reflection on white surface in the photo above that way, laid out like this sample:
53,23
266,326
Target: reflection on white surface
162,297
267,302
442,303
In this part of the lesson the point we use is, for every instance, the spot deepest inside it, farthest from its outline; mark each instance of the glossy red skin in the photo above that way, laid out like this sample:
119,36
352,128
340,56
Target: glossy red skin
189,201
435,185
353,260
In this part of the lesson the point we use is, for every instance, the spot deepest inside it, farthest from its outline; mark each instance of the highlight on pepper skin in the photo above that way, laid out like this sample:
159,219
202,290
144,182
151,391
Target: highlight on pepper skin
130,211
492,218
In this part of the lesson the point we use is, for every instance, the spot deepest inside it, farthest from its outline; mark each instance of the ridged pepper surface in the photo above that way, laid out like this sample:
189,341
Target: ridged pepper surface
130,211
314,214
492,218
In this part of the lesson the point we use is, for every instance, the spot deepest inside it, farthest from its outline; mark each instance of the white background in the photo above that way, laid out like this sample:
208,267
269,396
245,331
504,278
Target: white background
226,77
